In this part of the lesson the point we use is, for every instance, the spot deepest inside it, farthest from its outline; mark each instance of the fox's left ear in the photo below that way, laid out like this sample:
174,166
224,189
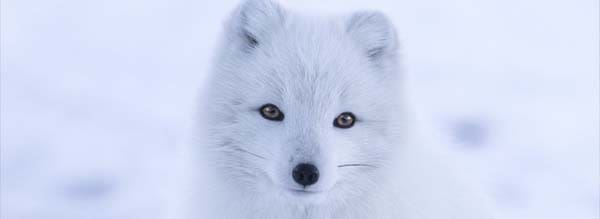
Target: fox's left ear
373,31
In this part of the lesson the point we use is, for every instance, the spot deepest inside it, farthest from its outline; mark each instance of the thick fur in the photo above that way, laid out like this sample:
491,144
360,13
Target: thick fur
313,68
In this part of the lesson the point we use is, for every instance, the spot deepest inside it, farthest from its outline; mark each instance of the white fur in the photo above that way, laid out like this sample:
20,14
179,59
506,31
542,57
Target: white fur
313,68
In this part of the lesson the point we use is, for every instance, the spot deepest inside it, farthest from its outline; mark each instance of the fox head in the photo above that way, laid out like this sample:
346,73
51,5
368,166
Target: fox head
301,108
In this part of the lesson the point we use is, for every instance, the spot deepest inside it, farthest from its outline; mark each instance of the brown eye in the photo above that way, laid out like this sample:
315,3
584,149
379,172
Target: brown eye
344,120
271,112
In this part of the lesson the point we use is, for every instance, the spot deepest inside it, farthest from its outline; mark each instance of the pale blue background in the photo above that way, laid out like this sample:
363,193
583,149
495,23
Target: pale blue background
95,94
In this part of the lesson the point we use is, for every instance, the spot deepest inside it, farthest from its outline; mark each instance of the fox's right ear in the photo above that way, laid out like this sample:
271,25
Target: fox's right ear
254,22
373,32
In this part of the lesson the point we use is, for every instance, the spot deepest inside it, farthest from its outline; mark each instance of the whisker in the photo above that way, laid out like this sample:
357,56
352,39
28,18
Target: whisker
248,152
356,165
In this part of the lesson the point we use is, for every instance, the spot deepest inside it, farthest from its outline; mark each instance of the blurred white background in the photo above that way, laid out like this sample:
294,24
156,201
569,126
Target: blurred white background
95,94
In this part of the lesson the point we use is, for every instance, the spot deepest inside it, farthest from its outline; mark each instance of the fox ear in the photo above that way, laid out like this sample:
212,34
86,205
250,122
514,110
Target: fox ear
254,22
374,33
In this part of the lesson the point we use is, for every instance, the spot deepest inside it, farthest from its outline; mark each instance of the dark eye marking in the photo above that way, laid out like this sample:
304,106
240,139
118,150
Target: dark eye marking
271,112
344,120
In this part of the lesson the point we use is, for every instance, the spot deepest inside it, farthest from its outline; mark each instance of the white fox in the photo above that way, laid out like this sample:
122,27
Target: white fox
303,118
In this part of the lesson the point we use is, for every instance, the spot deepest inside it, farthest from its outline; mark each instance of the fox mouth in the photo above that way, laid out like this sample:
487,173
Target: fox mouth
304,192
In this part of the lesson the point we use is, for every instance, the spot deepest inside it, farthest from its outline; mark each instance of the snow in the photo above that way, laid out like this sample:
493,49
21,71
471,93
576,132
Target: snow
95,95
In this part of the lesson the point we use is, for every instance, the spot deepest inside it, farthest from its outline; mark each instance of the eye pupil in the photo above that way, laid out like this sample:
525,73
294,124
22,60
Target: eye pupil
271,112
344,120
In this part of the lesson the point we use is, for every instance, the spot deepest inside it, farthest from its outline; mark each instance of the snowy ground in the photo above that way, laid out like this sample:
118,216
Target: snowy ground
94,95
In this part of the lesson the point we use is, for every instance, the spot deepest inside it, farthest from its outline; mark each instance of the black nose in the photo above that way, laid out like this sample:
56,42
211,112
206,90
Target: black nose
305,174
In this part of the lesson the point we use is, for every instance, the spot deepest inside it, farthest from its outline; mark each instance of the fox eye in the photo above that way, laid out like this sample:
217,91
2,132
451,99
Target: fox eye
271,112
344,120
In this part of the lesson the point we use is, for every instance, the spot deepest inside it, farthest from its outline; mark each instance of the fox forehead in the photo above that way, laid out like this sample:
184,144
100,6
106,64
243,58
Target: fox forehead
310,68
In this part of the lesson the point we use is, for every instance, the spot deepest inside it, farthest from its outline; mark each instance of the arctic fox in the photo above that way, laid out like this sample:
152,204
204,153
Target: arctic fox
303,117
